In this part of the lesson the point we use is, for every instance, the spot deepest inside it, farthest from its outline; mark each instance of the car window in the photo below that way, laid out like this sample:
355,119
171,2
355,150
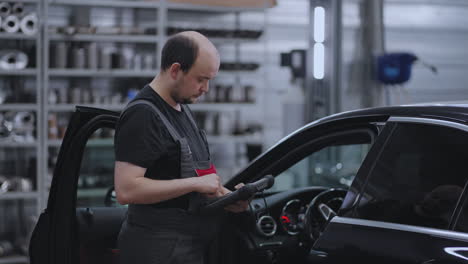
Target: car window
418,177
97,169
332,166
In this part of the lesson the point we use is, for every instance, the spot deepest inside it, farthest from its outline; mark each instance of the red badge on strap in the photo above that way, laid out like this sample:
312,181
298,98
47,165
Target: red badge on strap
212,169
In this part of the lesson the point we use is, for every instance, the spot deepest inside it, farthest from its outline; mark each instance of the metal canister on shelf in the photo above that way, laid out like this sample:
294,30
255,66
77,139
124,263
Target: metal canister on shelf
11,24
225,123
61,59
29,25
208,125
52,97
137,62
148,61
5,9
62,96
105,59
16,184
86,96
23,126
228,94
126,59
216,127
249,94
219,95
18,9
79,58
13,60
236,95
75,97
92,55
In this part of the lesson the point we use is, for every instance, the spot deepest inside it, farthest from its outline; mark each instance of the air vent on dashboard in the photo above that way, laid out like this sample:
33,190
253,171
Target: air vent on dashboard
266,225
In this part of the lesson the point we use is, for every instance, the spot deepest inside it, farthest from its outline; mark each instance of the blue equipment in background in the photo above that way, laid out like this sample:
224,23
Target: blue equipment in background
395,68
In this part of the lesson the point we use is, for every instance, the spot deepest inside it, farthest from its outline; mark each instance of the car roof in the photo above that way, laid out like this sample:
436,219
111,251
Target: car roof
454,111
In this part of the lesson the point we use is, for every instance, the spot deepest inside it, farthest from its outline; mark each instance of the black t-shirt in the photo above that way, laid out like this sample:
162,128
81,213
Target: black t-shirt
142,139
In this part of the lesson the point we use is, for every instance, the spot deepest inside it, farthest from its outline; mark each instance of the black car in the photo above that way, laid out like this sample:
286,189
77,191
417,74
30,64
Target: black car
382,185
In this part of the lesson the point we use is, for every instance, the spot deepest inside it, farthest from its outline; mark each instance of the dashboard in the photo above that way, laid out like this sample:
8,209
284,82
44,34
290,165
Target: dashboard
275,223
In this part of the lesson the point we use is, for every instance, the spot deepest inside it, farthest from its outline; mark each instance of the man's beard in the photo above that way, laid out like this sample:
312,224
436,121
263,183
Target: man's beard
179,99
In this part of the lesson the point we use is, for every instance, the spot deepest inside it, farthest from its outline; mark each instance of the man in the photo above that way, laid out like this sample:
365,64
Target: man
163,168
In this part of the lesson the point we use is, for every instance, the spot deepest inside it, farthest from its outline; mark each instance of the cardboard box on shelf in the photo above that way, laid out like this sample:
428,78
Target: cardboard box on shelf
230,3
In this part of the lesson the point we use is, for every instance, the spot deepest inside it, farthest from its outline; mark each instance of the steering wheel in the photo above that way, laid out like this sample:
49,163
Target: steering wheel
321,210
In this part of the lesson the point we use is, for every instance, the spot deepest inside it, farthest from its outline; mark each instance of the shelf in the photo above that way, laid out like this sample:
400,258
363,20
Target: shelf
18,107
14,260
207,8
54,142
109,3
100,142
7,144
219,106
92,192
72,107
27,1
102,73
106,38
232,40
232,74
18,195
16,36
97,142
232,138
23,72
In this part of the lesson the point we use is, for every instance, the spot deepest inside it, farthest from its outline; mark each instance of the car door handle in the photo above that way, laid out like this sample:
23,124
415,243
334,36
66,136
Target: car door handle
316,256
431,261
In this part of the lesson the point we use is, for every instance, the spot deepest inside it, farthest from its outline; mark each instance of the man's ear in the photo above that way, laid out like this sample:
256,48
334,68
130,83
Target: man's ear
174,70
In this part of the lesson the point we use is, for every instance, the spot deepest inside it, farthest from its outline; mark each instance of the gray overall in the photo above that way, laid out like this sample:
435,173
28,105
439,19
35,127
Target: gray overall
169,235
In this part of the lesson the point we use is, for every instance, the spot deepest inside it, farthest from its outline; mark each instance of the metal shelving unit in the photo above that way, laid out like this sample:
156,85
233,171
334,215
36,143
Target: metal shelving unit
106,38
18,107
98,142
220,107
19,195
115,73
27,1
214,9
45,75
24,72
18,148
108,3
72,107
8,144
17,36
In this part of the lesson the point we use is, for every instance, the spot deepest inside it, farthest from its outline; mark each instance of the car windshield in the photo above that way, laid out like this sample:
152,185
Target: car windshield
333,166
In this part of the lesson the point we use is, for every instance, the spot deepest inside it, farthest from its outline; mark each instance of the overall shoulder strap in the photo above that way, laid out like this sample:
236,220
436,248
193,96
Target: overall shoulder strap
190,116
175,135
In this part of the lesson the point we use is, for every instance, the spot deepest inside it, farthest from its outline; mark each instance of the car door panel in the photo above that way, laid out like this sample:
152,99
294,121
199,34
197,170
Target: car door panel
364,241
55,237
98,230
409,187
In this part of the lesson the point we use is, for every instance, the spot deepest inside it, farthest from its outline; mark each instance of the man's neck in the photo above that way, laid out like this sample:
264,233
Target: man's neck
161,88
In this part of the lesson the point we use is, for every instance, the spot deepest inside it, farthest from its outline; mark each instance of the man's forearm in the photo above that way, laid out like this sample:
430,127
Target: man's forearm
147,191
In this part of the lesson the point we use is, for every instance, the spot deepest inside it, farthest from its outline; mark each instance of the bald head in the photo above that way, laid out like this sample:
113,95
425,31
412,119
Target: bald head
184,48
188,62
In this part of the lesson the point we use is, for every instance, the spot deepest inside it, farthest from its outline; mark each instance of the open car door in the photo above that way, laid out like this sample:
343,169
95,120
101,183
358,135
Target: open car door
80,224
